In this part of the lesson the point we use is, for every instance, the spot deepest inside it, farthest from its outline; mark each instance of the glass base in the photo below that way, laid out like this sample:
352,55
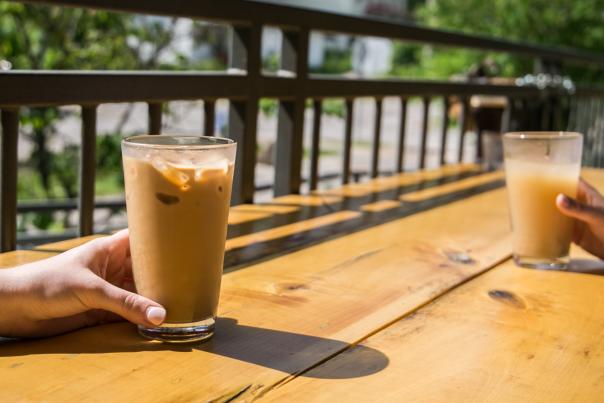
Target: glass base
180,332
559,263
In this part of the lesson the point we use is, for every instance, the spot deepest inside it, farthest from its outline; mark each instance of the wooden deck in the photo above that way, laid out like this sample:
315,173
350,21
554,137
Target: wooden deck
399,289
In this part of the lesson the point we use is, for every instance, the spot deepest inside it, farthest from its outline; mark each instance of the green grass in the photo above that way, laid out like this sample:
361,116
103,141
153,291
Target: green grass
29,185
108,184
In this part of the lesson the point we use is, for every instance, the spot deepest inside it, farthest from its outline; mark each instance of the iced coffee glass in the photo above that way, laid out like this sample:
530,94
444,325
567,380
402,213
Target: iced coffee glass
539,166
178,191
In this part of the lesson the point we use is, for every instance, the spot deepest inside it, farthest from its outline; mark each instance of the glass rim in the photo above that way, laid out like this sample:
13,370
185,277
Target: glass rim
543,135
214,142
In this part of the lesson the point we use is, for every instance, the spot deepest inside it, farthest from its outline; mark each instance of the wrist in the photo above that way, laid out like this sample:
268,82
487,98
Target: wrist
17,289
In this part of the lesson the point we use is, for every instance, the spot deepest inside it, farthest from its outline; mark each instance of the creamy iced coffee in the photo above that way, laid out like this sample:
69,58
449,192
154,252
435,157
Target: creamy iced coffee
178,194
539,166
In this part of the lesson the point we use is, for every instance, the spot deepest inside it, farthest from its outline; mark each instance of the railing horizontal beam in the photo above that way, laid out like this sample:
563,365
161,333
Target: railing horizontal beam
46,88
243,12
324,86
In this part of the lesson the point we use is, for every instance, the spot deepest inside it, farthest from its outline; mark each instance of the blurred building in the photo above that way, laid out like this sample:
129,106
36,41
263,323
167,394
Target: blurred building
369,56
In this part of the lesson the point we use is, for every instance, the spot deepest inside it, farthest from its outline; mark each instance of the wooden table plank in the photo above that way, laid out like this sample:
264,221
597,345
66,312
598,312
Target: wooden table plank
252,212
61,246
436,191
278,317
381,205
509,335
381,184
480,342
307,200
291,229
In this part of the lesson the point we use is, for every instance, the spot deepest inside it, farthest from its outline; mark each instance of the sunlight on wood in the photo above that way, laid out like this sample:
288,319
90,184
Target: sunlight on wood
381,205
463,184
291,229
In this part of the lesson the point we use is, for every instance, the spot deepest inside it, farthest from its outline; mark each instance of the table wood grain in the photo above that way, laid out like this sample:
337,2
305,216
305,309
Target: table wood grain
510,335
284,322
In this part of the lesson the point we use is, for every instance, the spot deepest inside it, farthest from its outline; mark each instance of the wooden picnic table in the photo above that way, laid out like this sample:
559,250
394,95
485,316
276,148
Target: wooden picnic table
398,289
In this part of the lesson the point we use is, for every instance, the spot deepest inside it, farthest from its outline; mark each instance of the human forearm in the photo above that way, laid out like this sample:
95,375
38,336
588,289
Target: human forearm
14,301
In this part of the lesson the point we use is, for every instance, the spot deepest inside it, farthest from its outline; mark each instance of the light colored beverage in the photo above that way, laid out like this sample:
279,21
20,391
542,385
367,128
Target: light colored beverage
178,203
539,166
540,230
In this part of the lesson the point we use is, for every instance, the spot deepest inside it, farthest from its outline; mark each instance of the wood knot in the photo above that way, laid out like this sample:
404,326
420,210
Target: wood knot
292,286
459,257
507,298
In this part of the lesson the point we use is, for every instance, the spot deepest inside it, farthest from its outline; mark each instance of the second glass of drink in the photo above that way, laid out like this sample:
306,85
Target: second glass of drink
538,167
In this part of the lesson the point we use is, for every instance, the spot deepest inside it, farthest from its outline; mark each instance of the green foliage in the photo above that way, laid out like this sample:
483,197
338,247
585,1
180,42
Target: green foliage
334,107
268,106
214,37
109,175
574,24
271,63
29,186
64,167
43,220
109,153
331,107
63,38
336,61
404,53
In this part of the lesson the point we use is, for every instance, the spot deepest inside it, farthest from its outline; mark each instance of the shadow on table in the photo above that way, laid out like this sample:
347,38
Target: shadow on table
587,266
284,351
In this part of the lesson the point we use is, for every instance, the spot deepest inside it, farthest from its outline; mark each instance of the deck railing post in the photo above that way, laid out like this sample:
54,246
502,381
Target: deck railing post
316,144
349,103
479,131
598,132
507,120
425,121
243,114
400,160
87,170
377,133
463,124
154,110
8,178
445,127
209,117
290,124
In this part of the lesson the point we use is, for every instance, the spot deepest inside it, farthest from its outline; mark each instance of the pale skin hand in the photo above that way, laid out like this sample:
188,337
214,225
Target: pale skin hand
88,285
588,212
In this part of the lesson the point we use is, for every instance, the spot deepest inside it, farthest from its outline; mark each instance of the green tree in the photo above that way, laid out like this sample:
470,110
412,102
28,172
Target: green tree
59,38
62,38
575,24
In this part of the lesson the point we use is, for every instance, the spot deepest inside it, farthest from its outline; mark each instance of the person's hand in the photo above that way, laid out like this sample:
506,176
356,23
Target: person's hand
85,286
588,212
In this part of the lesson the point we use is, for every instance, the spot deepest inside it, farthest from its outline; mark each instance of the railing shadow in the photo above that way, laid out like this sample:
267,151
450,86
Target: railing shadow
284,351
